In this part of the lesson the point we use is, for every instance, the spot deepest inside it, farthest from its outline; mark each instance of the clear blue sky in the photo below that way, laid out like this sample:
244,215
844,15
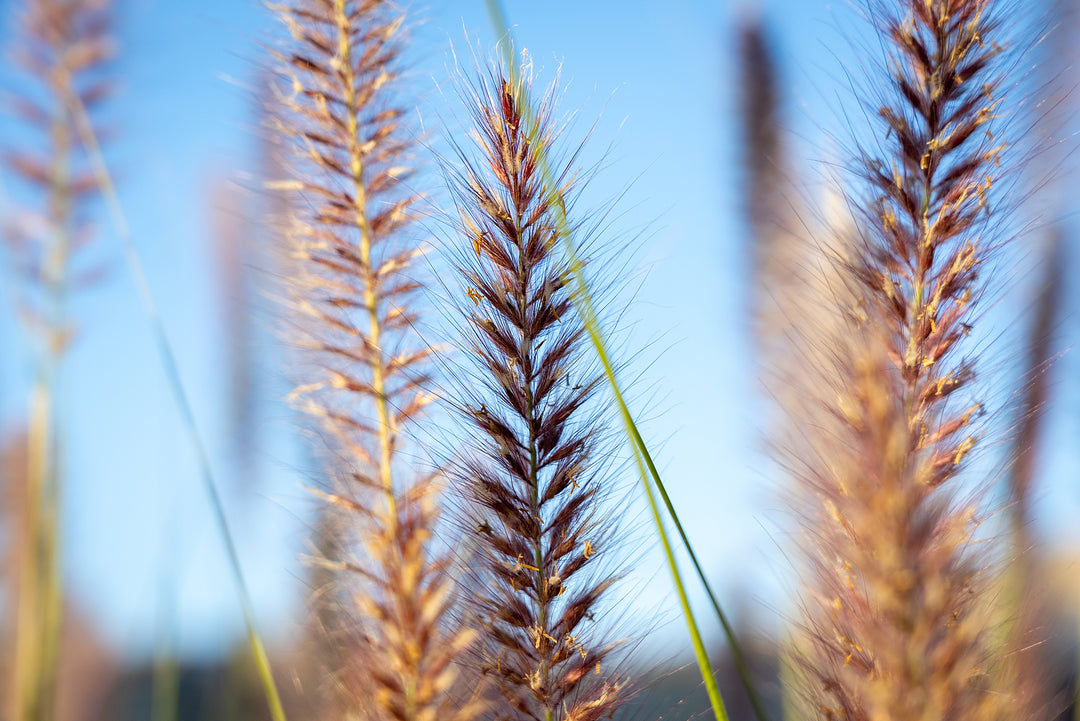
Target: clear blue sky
661,76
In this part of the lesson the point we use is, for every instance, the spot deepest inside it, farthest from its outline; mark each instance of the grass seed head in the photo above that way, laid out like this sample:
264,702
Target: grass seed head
342,111
898,625
534,480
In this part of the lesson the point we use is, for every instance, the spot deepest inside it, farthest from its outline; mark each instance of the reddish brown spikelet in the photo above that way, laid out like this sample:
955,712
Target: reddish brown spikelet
351,215
534,486
897,626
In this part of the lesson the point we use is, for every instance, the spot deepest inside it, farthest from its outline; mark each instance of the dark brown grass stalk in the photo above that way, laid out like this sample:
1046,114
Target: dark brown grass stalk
1027,612
534,484
763,152
897,618
254,263
62,47
232,215
1053,174
1039,357
776,247
1030,671
795,285
351,232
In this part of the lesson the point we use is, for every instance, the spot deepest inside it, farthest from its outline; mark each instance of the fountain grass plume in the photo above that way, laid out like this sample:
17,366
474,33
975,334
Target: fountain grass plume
897,621
352,211
534,482
63,51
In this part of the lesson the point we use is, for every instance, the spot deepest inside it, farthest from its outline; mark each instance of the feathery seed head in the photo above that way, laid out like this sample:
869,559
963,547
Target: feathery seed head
897,621
342,115
63,49
349,227
534,484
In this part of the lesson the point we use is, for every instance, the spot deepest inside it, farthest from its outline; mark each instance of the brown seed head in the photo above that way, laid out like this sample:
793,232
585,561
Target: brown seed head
534,484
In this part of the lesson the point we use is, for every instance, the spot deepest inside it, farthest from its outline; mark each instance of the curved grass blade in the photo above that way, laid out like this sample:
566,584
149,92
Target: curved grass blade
172,372
584,303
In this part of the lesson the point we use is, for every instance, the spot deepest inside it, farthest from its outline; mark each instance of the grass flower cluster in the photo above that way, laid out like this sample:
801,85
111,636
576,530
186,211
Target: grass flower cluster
63,52
535,482
350,233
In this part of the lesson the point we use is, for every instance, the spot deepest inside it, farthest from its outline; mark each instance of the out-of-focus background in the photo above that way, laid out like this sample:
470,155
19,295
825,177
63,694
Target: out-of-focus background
659,87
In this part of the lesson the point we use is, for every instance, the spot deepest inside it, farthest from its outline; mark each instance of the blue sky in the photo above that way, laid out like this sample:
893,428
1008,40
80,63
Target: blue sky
660,77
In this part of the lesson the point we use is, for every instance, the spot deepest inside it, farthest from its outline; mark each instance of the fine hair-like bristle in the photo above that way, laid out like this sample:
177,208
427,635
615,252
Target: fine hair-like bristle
897,625
533,484
351,234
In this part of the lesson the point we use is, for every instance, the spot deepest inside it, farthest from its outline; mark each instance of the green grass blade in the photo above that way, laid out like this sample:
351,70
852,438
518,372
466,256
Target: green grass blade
165,682
172,373
700,653
584,303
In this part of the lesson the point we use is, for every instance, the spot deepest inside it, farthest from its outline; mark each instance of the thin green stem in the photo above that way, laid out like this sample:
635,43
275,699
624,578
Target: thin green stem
700,654
180,397
586,308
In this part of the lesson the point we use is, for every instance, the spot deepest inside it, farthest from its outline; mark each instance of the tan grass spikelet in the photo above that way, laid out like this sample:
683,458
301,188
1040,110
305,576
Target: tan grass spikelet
898,624
341,111
63,49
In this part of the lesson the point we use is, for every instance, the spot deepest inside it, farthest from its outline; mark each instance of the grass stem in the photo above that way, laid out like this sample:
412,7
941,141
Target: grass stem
172,373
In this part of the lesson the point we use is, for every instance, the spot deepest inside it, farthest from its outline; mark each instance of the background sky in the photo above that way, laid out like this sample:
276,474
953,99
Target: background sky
140,550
